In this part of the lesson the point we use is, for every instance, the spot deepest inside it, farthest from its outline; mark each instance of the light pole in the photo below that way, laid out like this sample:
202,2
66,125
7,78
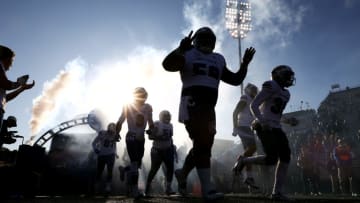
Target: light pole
238,22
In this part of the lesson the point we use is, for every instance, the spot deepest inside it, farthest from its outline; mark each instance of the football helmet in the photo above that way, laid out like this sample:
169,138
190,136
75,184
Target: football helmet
140,94
165,116
284,75
204,40
251,90
94,120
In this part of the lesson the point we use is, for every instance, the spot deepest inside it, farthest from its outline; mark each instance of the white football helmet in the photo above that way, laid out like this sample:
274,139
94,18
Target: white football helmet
94,120
251,90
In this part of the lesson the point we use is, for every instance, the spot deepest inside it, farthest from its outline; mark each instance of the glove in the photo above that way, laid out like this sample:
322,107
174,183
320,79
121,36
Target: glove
185,43
23,79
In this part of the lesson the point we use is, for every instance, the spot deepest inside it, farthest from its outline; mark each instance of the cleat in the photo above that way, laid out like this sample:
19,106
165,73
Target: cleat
168,190
213,195
181,182
279,197
250,182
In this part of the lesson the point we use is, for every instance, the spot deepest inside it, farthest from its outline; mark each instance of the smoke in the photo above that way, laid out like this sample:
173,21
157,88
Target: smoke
79,88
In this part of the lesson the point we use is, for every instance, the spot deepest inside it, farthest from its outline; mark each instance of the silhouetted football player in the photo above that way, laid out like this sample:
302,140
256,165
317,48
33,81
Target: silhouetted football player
267,108
201,71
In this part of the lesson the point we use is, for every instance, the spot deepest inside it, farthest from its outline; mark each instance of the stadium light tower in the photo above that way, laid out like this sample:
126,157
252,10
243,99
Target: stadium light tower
238,22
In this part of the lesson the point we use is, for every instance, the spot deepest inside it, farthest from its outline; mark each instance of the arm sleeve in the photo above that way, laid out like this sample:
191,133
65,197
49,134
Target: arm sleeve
234,78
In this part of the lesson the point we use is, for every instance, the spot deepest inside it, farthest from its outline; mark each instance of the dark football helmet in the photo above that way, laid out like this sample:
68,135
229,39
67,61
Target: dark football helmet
165,116
283,75
204,40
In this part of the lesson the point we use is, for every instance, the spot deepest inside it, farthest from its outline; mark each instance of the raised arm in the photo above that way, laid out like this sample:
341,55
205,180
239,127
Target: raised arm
15,93
238,77
175,60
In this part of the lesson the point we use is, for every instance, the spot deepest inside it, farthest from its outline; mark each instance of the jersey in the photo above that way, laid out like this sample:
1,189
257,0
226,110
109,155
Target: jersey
105,143
245,117
270,103
200,78
137,117
162,135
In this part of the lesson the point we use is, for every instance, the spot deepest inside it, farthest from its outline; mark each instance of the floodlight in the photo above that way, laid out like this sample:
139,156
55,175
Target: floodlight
238,22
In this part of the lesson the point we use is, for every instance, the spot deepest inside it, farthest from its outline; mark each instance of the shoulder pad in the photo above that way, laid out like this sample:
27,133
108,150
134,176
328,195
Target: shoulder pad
269,85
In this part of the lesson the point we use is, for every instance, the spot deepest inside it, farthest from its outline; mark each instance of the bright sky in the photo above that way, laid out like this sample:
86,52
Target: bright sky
104,49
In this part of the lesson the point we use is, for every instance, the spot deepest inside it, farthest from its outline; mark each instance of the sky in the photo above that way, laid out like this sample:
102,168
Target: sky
91,54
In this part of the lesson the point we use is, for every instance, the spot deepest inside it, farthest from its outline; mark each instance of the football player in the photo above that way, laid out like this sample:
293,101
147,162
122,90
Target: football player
272,98
104,145
242,119
162,151
138,114
201,71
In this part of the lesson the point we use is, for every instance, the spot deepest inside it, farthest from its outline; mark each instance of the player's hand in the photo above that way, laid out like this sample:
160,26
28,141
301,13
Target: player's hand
22,79
185,43
96,151
235,132
28,86
248,55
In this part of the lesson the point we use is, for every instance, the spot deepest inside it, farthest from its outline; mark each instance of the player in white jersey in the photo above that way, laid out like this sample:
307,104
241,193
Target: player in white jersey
201,70
137,114
267,107
162,150
242,119
104,145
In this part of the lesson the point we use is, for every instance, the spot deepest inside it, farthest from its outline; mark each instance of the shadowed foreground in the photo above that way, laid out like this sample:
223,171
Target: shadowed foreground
231,198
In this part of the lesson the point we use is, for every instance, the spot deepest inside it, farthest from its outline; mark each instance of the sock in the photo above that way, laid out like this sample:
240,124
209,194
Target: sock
204,176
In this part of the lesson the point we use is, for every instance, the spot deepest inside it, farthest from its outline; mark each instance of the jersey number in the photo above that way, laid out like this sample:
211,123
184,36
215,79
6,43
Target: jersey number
203,69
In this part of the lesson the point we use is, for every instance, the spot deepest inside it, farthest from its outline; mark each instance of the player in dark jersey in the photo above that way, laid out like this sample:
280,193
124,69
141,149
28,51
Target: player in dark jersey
201,71
267,108
137,114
